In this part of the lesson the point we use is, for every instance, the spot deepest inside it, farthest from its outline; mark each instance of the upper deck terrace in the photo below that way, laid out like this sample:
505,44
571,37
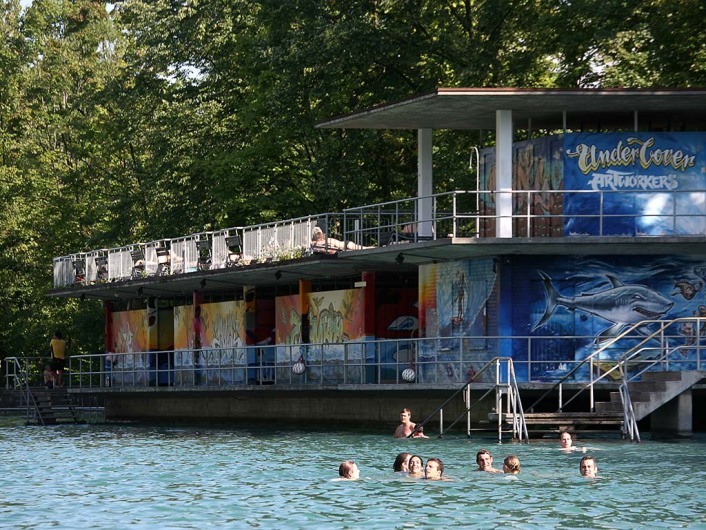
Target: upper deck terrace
502,216
386,238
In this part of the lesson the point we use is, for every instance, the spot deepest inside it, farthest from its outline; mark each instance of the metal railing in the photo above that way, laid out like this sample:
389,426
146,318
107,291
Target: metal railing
505,384
535,213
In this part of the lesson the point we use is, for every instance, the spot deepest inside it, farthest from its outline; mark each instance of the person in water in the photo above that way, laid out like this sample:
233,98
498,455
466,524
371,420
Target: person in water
511,465
406,427
416,466
348,470
566,440
588,467
434,469
401,464
485,462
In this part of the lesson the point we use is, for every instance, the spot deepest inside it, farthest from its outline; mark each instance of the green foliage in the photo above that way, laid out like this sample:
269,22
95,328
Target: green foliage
160,118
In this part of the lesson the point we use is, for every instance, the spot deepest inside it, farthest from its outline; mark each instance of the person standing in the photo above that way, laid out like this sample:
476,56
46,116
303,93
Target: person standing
57,347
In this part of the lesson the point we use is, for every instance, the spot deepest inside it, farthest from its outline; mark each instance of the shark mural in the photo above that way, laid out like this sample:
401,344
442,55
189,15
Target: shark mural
618,303
569,307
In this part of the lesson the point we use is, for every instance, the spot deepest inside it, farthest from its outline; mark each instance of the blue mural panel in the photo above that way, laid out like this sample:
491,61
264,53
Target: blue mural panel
568,307
635,184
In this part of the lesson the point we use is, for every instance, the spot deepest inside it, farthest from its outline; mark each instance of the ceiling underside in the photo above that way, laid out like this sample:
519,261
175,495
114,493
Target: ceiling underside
468,108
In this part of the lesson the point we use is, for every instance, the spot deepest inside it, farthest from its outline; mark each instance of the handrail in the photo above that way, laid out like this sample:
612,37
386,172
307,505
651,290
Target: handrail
590,358
21,377
514,402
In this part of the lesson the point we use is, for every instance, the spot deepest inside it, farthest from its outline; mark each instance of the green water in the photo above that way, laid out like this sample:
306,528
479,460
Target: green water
103,476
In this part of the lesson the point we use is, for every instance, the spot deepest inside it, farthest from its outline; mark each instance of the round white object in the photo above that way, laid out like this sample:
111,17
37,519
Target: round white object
408,375
298,368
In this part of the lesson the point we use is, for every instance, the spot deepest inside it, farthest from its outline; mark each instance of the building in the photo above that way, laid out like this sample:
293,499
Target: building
580,256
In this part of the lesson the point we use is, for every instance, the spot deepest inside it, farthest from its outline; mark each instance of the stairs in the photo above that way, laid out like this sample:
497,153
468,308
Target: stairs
654,390
554,422
52,406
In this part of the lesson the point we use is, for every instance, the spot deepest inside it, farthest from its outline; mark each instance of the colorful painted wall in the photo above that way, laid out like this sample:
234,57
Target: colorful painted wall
604,184
223,357
595,299
455,299
130,361
649,183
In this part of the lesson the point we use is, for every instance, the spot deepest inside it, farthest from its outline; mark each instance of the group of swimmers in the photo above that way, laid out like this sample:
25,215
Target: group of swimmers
413,465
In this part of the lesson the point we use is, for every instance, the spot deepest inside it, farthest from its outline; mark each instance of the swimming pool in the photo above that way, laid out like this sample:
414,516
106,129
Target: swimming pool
120,476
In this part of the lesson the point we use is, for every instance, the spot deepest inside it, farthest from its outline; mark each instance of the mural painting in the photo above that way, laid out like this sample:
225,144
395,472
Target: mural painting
335,318
222,358
288,331
457,313
538,171
579,305
130,361
640,183
396,318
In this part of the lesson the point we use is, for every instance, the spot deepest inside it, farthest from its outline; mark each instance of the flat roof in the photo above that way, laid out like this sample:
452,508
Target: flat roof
535,108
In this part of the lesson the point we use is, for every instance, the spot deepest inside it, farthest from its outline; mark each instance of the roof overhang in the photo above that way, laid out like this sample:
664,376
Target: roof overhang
577,109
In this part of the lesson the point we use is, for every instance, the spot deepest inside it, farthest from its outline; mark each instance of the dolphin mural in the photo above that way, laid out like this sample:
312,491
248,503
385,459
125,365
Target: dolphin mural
621,304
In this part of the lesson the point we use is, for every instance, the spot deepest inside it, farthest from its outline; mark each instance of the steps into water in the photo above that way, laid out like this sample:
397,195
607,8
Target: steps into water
52,406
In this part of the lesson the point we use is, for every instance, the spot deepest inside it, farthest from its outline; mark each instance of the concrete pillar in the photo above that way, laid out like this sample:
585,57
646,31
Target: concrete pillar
675,416
503,172
425,183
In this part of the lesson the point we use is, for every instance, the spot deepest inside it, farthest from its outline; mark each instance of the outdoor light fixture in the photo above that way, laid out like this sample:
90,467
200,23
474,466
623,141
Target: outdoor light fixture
400,258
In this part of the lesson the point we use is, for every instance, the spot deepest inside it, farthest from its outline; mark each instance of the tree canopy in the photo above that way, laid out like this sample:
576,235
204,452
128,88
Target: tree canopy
136,120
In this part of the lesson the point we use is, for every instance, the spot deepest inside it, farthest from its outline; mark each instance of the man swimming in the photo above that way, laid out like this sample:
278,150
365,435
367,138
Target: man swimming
349,470
588,467
485,461
405,428
434,469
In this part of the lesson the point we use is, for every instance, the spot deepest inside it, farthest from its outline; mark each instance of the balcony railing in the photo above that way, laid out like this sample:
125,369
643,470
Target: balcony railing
432,361
545,213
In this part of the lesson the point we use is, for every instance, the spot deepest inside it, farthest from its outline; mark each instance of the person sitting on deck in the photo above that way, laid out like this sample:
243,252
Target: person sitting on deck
330,245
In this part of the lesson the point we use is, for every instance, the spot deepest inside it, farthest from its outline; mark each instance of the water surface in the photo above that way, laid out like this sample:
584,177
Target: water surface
127,476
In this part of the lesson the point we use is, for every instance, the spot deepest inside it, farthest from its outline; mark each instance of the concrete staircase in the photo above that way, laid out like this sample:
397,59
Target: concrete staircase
654,390
53,406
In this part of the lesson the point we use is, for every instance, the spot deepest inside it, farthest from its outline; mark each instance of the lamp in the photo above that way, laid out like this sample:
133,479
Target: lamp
399,258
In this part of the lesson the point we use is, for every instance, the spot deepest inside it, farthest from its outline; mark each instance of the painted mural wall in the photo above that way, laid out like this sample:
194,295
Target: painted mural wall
130,361
454,301
223,355
336,318
625,184
641,183
565,308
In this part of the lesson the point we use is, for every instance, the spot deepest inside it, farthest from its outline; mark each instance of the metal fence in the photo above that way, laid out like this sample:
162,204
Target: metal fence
541,213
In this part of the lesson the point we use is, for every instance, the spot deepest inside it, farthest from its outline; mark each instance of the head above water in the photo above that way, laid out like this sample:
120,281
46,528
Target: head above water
434,469
484,459
588,466
402,462
348,469
416,465
566,440
511,465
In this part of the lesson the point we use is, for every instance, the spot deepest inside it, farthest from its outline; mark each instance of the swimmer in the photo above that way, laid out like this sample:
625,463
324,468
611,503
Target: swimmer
416,466
348,470
566,440
419,432
511,465
401,464
434,469
588,467
406,427
485,461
